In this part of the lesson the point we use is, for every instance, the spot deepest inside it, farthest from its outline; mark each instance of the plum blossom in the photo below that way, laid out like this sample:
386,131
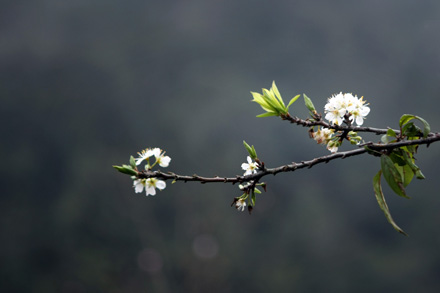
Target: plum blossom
139,185
335,109
341,104
158,154
161,159
149,184
333,146
143,155
358,111
240,204
250,167
323,135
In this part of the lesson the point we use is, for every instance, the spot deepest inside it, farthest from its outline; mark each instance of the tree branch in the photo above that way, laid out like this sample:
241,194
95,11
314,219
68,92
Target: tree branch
366,147
397,159
319,122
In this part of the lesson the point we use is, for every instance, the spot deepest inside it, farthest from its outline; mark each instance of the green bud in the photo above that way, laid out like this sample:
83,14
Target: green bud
250,150
132,162
309,104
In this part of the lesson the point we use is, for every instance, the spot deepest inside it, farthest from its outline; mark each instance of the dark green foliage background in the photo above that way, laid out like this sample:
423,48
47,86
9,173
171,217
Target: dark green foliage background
86,84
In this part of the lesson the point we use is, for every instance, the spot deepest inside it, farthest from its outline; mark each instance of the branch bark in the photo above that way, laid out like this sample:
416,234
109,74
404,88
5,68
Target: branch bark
365,148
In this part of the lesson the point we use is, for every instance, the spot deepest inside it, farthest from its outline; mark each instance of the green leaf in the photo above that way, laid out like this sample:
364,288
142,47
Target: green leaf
258,98
257,190
408,117
396,157
407,174
250,150
125,169
391,132
410,162
253,198
132,162
426,126
277,94
272,101
405,119
419,174
410,130
254,152
382,203
267,114
392,175
309,104
248,147
411,148
390,136
293,100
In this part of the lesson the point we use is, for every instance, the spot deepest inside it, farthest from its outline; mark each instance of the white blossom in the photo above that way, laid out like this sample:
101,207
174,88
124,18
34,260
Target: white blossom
341,104
250,167
152,183
332,147
358,112
240,204
149,184
138,185
323,135
161,159
335,109
159,155
143,155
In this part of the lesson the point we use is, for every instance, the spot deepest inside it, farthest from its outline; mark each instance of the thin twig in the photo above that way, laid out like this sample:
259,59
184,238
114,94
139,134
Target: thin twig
378,147
320,122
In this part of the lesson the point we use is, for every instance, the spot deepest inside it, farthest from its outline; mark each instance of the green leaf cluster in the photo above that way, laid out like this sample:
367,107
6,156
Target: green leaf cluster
398,167
409,129
128,169
272,102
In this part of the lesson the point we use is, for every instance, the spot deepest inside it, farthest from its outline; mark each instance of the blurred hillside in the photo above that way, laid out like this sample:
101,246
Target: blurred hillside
86,84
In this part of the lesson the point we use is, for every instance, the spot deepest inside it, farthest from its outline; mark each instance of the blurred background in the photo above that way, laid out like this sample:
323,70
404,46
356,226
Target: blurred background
86,84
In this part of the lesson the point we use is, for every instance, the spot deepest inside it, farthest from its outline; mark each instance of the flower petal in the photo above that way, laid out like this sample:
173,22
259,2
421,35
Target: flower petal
150,190
138,185
164,161
359,120
160,184
156,152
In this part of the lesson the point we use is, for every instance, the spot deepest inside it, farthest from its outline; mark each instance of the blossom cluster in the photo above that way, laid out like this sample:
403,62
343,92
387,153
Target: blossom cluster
158,154
328,137
248,188
340,105
150,184
325,136
341,108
